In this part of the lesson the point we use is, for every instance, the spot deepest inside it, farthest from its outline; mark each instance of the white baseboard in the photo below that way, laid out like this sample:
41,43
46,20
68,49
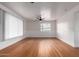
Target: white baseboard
6,43
65,41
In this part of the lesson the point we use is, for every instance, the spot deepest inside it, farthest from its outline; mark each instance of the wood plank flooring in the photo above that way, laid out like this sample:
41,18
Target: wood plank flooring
40,48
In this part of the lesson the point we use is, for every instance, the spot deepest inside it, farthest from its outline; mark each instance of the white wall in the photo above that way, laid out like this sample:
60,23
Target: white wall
1,25
33,29
25,28
66,27
76,41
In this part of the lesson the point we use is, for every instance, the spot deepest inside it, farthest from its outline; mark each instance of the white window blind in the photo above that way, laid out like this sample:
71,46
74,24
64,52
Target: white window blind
13,26
45,27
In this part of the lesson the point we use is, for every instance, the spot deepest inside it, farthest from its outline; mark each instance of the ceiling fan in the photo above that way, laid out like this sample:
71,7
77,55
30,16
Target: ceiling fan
39,19
32,2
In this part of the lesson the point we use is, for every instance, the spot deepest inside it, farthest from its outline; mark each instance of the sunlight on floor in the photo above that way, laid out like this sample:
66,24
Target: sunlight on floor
45,48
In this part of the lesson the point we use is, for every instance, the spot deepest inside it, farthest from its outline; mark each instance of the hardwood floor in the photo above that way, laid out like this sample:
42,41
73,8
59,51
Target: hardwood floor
40,47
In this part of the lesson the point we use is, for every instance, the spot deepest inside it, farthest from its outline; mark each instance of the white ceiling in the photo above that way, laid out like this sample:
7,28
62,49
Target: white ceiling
48,10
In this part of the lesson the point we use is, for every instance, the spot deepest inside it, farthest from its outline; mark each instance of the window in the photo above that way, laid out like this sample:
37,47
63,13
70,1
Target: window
13,26
45,27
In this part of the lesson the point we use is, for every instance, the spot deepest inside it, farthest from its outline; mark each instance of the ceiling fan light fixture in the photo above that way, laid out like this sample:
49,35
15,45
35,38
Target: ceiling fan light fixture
32,2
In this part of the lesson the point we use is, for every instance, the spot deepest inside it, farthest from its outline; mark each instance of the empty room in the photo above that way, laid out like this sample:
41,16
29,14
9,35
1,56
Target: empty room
39,29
